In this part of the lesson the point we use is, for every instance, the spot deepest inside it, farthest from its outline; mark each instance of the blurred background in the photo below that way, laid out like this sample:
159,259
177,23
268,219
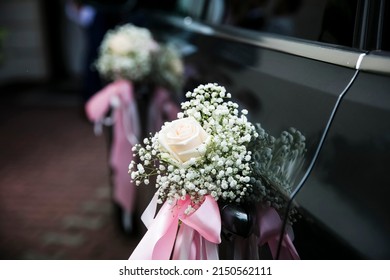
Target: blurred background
55,195
55,181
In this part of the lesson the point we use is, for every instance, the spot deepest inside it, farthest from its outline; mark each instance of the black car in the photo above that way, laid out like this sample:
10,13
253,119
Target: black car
322,67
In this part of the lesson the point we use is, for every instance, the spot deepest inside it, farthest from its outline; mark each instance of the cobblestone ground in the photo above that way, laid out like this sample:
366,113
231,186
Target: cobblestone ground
54,189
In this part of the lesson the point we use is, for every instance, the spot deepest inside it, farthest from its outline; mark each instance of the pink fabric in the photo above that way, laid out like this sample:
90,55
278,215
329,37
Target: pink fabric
121,154
197,237
270,226
99,104
162,109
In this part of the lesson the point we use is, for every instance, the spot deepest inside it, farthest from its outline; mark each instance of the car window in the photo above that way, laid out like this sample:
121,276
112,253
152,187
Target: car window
385,36
329,21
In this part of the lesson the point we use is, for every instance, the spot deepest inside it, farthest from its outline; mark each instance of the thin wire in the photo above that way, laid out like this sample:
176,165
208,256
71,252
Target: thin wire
314,159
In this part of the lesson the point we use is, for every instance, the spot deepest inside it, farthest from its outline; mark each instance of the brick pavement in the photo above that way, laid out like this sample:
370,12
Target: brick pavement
55,198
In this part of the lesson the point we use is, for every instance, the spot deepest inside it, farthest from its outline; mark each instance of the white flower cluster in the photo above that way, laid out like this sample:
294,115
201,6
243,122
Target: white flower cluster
228,157
126,52
276,163
224,169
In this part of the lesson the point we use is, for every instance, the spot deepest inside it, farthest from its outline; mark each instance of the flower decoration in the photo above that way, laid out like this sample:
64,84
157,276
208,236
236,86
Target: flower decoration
275,163
126,52
213,153
203,153
212,149
168,68
144,77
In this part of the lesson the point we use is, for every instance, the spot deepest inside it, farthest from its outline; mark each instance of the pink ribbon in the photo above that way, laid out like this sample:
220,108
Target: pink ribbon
119,95
270,226
120,92
198,236
162,109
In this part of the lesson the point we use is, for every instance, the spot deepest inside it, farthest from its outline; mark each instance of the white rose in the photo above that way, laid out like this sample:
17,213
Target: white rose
183,139
120,44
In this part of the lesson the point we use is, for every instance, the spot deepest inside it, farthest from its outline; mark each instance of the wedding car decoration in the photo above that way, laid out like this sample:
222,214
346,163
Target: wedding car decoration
126,60
168,67
210,154
126,52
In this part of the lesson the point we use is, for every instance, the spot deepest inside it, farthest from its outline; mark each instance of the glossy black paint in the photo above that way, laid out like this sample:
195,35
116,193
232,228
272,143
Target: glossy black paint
236,220
348,190
311,86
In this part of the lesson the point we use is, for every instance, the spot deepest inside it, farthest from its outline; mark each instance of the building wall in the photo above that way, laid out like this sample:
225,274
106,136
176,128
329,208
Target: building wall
23,45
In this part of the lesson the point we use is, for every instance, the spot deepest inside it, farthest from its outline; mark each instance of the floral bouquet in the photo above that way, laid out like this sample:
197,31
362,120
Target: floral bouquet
210,154
168,68
135,98
126,52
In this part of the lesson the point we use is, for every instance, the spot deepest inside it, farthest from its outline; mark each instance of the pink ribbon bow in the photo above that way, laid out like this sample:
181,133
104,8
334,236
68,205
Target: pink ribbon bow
197,238
270,226
125,132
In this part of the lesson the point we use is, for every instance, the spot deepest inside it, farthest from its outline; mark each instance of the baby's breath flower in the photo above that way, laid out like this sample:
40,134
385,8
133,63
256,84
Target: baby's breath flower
126,51
223,172
140,168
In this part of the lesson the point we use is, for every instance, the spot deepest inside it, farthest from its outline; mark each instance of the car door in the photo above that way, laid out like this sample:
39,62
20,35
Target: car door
283,79
345,197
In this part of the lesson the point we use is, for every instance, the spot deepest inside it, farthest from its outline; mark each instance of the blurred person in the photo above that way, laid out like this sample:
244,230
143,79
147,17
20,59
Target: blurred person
95,20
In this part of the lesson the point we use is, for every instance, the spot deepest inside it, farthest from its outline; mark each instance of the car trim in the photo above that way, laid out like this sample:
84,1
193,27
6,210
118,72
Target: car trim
376,62
359,62
333,54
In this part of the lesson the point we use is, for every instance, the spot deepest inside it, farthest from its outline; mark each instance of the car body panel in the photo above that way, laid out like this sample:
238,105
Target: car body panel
348,189
336,96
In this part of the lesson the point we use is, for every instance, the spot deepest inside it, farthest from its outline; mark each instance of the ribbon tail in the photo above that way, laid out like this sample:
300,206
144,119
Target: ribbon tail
211,250
202,249
270,226
206,224
198,236
287,250
121,155
185,245
147,216
158,241
190,245
116,95
131,123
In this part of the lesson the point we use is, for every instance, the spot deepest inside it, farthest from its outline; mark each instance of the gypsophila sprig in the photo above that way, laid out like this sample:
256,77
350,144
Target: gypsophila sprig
168,68
203,152
276,162
212,149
